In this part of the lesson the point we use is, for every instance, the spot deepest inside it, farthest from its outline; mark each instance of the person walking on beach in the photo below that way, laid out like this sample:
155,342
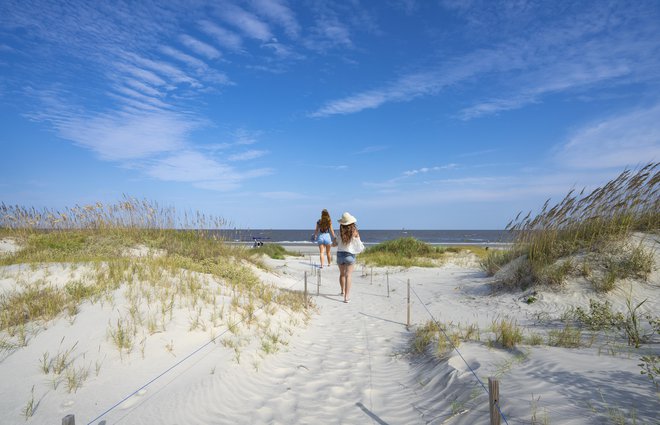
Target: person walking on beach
324,235
348,246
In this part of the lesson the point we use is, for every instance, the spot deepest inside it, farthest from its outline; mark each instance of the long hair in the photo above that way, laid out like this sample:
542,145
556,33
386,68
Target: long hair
325,223
347,231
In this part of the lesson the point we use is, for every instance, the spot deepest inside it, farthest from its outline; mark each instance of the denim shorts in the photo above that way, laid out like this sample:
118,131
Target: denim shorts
344,257
324,239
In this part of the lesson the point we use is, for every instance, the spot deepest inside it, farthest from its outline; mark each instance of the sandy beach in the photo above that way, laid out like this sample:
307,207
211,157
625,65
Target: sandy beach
337,364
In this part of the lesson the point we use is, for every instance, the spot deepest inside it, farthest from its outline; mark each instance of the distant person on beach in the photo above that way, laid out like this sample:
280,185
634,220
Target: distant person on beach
324,235
348,246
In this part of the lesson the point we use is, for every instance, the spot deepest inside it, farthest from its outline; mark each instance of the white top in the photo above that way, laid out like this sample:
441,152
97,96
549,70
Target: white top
354,246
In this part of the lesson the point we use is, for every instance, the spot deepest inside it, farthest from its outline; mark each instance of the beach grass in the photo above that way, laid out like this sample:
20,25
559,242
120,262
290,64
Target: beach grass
273,250
411,252
157,256
598,223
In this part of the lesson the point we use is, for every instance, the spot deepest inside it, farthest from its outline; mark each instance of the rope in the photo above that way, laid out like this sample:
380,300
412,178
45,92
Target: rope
173,366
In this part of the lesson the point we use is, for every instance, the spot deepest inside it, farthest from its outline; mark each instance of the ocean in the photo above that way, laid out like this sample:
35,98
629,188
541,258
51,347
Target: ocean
371,237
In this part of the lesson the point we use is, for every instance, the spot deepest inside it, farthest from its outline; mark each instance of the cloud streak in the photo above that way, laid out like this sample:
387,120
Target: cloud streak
621,141
567,55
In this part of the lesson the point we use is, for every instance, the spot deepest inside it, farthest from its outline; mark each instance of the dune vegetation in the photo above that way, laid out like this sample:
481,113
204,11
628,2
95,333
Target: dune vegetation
587,235
155,256
411,252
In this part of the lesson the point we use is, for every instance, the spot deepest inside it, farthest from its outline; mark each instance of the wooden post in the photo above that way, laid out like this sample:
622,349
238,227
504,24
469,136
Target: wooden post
305,289
372,276
318,283
408,319
494,400
387,273
69,420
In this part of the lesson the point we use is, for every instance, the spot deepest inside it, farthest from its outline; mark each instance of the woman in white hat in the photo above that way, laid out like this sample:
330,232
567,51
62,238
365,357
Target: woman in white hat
348,246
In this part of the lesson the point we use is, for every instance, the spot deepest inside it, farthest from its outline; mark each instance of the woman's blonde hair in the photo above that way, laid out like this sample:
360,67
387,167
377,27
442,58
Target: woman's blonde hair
347,231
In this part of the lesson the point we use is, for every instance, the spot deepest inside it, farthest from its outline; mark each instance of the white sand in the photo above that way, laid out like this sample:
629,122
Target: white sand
349,365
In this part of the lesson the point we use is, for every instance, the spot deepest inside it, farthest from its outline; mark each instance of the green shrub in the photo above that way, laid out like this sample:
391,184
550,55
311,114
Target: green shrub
651,367
411,252
599,316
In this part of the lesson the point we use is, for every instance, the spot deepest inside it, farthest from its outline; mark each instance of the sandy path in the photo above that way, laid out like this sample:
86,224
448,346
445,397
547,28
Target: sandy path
343,368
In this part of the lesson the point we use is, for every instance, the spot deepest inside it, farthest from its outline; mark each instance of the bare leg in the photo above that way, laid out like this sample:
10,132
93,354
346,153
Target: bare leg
342,277
328,250
321,253
347,281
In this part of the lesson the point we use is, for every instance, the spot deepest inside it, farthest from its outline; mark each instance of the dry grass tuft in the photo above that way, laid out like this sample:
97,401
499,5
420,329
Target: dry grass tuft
585,223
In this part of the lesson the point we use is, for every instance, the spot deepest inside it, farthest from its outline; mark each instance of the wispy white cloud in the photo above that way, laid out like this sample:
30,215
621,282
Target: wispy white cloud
202,69
191,61
328,33
566,54
555,78
623,140
245,21
404,89
226,38
190,166
245,137
425,170
143,87
163,69
150,100
282,51
279,12
142,114
120,137
199,47
141,74
405,176
248,155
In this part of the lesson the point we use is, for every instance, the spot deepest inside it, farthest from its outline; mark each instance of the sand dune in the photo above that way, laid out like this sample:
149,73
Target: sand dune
347,364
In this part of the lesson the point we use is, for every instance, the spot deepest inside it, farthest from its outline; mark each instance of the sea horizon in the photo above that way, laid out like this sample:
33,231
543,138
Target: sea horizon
373,236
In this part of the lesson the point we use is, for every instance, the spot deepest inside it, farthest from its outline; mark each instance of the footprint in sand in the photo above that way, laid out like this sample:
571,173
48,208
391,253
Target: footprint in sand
133,400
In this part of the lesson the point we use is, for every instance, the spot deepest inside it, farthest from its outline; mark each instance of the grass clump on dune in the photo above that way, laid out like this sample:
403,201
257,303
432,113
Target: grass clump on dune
157,256
593,224
411,252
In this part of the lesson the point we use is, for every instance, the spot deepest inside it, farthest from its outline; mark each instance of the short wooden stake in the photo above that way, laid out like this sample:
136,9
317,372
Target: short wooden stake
69,420
408,319
372,276
318,283
494,400
305,289
387,273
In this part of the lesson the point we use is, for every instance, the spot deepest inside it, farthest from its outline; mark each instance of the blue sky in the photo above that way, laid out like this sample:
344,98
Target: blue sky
417,114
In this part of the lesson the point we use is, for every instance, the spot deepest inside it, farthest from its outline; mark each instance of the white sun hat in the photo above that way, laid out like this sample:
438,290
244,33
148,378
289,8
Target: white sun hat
347,219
